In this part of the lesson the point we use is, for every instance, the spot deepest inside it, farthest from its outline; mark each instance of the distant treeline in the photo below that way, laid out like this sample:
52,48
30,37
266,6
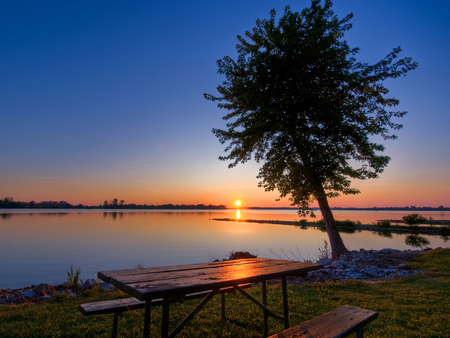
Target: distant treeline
8,202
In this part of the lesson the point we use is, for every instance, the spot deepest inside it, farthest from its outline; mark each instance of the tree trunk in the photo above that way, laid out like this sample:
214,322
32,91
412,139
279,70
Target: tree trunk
337,245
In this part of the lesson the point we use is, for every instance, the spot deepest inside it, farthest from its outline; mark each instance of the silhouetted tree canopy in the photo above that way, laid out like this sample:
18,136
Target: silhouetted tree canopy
301,105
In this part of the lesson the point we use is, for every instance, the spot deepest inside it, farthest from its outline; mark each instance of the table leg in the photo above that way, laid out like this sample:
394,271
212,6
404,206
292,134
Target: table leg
264,301
285,303
224,317
147,318
165,318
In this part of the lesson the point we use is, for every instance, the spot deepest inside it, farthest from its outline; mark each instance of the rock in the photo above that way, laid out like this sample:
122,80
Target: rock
44,298
88,284
71,293
325,261
405,267
107,287
28,294
44,289
388,251
241,255
312,274
338,265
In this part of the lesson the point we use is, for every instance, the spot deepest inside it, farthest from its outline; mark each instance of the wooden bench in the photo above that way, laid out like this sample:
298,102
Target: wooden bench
118,306
340,322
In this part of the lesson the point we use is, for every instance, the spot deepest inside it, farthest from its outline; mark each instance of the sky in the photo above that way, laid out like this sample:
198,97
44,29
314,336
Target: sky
104,99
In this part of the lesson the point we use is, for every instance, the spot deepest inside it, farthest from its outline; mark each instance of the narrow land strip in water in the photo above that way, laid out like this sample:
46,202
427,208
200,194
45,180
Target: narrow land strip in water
423,230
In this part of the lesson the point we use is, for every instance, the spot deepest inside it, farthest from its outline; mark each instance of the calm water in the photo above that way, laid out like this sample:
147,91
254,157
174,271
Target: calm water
39,246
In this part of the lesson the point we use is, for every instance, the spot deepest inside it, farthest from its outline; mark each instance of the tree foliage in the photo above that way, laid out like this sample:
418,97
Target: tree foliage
301,105
414,219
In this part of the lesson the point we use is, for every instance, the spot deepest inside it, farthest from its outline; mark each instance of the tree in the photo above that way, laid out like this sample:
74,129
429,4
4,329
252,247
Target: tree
414,220
114,203
301,105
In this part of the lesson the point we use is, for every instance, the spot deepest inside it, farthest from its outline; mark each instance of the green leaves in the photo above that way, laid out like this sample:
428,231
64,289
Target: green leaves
300,104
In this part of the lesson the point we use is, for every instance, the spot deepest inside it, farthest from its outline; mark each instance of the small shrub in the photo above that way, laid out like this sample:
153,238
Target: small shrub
414,220
74,277
325,252
346,223
384,223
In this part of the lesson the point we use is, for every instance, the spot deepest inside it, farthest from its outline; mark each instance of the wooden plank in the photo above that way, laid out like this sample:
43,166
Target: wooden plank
126,304
275,266
108,306
177,286
104,275
340,322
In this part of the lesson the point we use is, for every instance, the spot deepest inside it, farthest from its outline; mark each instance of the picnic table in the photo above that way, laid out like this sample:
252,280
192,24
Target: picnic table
175,282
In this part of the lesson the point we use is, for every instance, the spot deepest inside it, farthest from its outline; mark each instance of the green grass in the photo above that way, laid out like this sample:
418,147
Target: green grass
417,306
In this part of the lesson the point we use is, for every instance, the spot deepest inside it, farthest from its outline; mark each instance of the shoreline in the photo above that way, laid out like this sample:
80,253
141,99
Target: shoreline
365,265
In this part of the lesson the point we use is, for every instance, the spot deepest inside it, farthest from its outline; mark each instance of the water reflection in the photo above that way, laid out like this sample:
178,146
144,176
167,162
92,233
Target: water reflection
386,234
238,214
113,214
416,241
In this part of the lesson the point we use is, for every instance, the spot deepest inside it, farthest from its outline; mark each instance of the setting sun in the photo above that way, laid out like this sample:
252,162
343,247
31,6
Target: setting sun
238,203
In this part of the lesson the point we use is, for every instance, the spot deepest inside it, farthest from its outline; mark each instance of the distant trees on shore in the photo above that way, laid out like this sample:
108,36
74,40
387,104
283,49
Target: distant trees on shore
8,202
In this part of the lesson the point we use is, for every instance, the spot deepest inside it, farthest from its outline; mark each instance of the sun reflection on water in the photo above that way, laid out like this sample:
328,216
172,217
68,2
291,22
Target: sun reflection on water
238,214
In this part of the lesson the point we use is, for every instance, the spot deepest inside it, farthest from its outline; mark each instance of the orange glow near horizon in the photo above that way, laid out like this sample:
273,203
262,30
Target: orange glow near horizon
387,193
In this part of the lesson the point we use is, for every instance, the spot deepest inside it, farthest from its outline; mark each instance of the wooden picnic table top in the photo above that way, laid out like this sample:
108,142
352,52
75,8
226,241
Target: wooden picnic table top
179,280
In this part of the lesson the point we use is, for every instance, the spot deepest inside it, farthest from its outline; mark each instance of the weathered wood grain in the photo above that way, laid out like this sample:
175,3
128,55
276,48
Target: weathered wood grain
340,322
104,275
205,272
127,304
165,284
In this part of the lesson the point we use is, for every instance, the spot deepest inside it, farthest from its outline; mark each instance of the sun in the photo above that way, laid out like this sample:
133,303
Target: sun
238,203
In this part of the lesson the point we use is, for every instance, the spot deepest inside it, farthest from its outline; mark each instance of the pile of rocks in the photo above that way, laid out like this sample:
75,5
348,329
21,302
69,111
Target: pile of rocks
371,265
44,292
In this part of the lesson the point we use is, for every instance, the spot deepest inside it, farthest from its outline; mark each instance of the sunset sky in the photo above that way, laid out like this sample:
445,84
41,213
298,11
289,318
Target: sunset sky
104,99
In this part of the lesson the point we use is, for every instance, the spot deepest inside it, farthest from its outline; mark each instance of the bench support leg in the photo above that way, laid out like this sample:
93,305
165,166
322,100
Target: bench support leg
115,323
359,333
193,313
147,318
264,301
223,306
285,303
254,300
165,318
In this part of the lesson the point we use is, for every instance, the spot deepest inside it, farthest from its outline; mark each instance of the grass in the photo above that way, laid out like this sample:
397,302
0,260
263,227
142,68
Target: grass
417,306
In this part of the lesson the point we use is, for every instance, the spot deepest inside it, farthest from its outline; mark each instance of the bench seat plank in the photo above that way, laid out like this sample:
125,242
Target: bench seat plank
125,304
340,322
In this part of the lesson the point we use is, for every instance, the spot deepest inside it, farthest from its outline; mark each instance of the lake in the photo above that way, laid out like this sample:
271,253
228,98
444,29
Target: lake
38,246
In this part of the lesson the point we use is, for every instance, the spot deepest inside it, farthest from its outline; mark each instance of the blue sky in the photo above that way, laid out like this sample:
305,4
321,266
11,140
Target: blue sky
104,99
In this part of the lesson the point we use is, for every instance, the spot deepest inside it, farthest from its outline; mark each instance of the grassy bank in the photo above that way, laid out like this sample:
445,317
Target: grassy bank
418,306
